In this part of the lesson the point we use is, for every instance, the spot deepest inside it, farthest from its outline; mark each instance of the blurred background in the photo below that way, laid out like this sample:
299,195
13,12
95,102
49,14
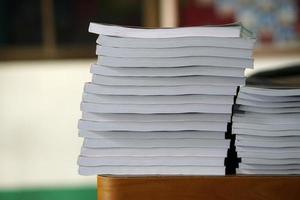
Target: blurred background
45,55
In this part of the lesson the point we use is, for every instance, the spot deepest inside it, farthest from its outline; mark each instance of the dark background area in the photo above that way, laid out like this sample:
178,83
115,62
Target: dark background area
53,29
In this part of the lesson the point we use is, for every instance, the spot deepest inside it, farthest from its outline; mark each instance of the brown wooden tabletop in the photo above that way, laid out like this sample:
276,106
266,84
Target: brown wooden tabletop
198,187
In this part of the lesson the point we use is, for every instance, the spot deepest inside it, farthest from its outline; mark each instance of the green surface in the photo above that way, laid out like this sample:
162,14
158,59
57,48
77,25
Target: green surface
50,194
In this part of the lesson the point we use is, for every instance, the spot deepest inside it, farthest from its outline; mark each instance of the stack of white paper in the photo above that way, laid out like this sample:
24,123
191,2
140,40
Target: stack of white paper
160,99
267,128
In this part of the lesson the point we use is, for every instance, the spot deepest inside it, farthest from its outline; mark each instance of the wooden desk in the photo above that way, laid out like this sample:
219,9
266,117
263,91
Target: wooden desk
198,187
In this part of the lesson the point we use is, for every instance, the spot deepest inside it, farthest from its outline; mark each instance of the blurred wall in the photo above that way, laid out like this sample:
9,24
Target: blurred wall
40,107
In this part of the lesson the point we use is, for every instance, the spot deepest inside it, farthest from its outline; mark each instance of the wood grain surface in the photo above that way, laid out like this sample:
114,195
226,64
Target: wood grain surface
199,187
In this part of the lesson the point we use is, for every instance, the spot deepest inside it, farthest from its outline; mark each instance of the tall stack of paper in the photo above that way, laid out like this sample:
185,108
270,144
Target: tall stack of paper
267,128
160,99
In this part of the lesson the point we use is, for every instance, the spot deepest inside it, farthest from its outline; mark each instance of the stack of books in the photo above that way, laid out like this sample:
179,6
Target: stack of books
267,128
160,99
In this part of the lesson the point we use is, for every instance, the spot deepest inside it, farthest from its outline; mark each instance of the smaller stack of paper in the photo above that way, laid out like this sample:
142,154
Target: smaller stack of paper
267,128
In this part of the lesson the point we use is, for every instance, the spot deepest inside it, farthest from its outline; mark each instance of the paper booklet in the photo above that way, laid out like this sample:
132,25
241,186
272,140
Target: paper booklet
248,117
268,127
269,99
268,104
270,92
265,132
167,72
269,110
146,143
126,42
152,134
155,108
273,150
228,30
266,138
176,62
151,126
158,99
269,167
92,116
273,172
279,156
151,160
270,161
173,52
271,144
152,170
167,81
159,90
158,151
